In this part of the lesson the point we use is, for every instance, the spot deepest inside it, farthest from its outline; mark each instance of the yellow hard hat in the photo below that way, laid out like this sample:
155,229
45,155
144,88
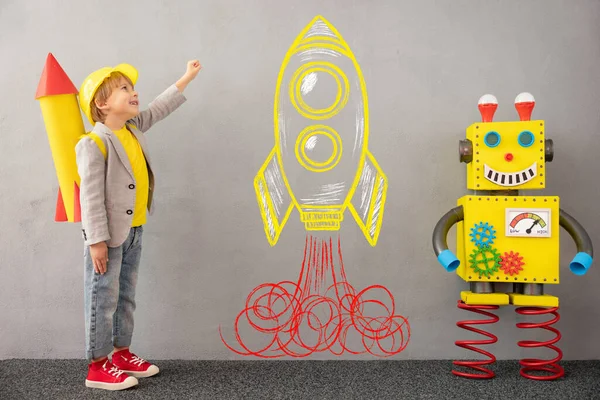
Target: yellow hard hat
95,79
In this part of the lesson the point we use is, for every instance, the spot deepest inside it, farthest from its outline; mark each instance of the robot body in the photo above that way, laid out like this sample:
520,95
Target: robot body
508,239
504,237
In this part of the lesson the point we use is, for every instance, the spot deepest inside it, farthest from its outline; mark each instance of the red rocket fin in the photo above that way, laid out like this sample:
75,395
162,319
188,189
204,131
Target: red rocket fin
76,205
61,213
54,80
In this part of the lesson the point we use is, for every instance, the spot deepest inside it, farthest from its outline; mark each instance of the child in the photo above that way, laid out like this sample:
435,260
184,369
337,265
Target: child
117,184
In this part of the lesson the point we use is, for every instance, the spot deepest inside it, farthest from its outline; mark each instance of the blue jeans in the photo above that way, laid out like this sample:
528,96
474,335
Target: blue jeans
110,298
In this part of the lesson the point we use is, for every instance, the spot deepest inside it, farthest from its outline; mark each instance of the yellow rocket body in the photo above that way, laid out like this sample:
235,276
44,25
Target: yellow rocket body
64,125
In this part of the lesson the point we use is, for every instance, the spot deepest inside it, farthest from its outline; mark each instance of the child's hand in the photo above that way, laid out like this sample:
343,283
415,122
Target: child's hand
193,67
99,254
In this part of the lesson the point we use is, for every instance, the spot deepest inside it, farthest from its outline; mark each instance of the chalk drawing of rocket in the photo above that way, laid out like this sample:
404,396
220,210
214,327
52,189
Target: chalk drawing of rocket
320,164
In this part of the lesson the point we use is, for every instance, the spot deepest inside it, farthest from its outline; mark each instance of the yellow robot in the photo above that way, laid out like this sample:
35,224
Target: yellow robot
505,237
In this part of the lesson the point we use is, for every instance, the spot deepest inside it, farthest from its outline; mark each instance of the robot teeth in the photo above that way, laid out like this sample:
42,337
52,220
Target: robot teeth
512,178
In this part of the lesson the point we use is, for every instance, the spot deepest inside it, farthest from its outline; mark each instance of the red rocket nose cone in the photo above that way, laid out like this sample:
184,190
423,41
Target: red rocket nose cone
54,80
487,107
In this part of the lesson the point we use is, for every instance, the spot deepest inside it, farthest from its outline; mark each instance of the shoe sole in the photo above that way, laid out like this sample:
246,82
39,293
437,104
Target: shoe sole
150,372
128,383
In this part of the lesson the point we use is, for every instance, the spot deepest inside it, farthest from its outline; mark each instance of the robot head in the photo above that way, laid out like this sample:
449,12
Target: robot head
506,155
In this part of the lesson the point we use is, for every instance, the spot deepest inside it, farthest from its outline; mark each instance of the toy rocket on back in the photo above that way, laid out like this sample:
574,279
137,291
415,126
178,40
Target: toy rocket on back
62,117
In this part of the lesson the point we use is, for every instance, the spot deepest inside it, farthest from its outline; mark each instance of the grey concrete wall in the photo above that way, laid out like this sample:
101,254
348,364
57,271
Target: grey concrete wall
425,64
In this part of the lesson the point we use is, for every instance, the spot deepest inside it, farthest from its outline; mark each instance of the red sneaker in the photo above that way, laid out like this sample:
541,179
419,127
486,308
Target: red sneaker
104,375
134,365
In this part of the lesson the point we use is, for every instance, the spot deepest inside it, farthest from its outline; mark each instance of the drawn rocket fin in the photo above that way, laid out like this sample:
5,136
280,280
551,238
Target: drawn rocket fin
368,200
274,200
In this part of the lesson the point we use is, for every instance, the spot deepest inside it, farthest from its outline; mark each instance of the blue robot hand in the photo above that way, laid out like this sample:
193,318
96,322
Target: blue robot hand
448,260
581,263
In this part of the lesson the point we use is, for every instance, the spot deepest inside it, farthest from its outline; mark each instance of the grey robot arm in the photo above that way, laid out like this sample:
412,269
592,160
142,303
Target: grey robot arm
440,233
585,252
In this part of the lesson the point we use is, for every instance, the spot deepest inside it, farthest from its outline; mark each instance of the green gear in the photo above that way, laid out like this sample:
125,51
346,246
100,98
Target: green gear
488,255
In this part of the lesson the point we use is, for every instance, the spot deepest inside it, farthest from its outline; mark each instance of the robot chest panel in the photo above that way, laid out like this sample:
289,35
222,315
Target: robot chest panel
510,238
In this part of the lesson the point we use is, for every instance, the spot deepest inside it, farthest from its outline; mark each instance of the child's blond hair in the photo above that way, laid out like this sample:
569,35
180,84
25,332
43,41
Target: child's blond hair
103,93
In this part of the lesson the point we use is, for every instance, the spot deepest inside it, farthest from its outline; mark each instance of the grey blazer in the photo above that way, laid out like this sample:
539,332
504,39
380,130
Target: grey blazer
107,188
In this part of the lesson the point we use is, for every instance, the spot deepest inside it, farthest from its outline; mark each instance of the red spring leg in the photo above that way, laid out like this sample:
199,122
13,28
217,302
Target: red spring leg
477,365
532,364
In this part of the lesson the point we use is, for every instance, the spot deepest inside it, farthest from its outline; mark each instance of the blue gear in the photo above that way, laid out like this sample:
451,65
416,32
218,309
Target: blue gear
483,234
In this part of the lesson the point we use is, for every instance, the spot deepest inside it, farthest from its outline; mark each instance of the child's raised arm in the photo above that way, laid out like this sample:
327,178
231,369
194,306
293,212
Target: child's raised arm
168,101
193,67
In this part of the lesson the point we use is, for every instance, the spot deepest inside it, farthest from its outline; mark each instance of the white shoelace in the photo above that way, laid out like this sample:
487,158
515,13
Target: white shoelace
113,370
137,360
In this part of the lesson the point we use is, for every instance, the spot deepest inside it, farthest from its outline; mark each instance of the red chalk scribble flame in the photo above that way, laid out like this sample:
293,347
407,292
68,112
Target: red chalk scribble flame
321,312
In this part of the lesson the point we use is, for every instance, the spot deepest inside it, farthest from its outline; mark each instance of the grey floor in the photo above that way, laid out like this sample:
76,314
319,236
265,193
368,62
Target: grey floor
315,380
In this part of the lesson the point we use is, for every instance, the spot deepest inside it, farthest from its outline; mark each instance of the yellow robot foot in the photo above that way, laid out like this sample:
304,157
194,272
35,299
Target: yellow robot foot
495,299
543,300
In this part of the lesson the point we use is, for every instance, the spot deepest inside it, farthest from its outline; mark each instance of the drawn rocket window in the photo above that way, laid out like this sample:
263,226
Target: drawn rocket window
492,139
526,138
311,85
318,148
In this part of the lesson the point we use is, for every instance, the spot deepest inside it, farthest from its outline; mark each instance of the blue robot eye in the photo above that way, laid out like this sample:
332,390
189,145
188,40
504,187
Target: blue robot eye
526,138
491,139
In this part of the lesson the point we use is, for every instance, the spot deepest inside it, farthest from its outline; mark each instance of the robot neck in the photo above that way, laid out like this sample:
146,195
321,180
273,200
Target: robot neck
507,192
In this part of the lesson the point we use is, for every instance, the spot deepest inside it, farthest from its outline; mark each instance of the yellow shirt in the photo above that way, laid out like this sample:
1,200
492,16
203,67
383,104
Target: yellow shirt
140,173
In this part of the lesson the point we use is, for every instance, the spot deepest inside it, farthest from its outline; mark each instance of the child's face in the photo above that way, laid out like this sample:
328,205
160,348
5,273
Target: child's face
123,101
